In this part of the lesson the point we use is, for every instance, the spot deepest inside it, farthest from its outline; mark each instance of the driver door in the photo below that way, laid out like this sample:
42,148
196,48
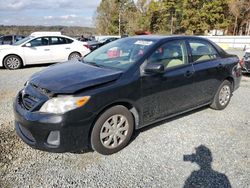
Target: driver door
38,52
171,92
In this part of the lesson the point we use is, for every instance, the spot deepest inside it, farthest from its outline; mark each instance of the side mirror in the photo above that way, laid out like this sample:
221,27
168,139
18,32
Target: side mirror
28,45
154,68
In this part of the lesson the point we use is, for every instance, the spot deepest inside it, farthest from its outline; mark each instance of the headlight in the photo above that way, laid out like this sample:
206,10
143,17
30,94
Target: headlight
62,104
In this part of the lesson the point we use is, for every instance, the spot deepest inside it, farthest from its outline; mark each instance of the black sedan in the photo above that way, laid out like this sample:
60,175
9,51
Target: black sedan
93,45
245,62
121,87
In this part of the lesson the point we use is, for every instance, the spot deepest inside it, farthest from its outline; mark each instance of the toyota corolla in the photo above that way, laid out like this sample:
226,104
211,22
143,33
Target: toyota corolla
130,83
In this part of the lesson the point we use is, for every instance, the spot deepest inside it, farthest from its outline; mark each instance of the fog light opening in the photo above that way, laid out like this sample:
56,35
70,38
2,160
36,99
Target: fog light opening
54,138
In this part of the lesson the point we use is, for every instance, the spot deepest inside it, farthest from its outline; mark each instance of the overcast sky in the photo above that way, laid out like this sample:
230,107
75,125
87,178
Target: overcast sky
48,12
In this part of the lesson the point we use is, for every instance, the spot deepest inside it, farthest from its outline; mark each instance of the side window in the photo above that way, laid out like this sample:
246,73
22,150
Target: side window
69,41
58,40
170,54
17,38
41,41
7,40
202,50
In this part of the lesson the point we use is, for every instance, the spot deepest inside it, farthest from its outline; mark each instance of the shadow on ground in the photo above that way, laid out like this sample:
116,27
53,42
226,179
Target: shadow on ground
205,177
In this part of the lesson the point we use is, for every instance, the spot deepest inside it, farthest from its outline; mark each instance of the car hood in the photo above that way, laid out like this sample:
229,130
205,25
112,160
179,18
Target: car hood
72,76
5,46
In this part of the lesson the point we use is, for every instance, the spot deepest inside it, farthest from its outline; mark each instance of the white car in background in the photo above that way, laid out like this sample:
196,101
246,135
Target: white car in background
39,48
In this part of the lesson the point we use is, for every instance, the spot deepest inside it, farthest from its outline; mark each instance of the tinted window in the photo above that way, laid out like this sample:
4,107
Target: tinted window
42,41
7,40
170,54
69,40
202,50
58,40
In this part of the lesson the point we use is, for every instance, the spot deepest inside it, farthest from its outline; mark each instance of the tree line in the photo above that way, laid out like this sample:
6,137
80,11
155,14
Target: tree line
27,30
173,16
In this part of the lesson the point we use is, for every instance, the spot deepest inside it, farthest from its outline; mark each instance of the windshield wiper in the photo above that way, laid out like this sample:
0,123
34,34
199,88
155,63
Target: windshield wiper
92,63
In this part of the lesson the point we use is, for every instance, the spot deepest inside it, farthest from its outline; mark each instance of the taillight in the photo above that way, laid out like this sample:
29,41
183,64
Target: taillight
241,62
87,46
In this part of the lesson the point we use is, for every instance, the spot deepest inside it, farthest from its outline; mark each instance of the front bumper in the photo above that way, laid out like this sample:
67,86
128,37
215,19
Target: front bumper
52,132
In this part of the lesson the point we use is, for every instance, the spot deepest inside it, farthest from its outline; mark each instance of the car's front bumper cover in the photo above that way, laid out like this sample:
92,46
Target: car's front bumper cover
36,128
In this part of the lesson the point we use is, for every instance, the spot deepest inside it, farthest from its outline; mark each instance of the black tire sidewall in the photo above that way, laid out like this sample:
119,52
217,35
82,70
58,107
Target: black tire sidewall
95,134
10,56
216,104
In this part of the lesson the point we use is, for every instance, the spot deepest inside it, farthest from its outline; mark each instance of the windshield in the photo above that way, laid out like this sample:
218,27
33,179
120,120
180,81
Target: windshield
23,40
120,54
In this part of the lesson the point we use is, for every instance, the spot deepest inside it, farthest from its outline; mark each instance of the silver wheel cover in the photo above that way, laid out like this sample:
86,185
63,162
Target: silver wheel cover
13,62
224,95
114,131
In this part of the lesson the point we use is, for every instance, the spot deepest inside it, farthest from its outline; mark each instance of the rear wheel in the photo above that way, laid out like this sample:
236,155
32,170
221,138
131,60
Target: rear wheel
223,96
113,130
74,55
12,62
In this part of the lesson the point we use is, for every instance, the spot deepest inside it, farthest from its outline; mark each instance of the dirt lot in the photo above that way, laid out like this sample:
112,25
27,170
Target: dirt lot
153,159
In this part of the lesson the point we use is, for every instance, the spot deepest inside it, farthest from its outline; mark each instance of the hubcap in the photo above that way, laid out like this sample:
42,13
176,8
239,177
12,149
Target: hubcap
13,62
74,56
114,131
224,95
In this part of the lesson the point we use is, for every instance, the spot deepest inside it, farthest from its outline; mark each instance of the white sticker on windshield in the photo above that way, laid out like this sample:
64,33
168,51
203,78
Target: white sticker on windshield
144,42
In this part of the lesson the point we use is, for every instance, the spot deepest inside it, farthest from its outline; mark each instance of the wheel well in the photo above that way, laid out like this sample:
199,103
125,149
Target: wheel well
128,105
230,79
76,52
15,55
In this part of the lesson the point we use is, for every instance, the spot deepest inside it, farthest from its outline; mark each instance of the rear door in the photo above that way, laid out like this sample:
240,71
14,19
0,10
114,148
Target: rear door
209,69
171,92
60,48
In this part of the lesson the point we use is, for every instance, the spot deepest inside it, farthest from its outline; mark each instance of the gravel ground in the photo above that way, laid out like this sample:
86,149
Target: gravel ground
153,159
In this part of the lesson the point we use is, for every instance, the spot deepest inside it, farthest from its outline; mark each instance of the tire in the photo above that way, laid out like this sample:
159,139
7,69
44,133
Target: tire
12,62
74,55
222,96
106,138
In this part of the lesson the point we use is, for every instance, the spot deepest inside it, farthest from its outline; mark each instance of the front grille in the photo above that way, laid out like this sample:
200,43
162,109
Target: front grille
32,97
29,102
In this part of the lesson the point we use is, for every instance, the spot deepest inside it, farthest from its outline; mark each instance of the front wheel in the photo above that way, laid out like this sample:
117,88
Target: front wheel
12,62
112,130
223,96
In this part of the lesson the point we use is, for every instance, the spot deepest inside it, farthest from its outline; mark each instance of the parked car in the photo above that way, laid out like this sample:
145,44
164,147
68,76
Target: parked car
121,87
93,45
39,48
10,39
245,62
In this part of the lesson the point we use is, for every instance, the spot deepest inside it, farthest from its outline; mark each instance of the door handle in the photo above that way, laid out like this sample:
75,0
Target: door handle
67,48
46,49
188,74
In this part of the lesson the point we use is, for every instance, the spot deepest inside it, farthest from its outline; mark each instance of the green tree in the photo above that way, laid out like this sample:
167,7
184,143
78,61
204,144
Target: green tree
200,16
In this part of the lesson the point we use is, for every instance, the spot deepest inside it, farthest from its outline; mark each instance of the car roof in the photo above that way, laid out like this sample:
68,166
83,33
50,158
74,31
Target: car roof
160,37
41,34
